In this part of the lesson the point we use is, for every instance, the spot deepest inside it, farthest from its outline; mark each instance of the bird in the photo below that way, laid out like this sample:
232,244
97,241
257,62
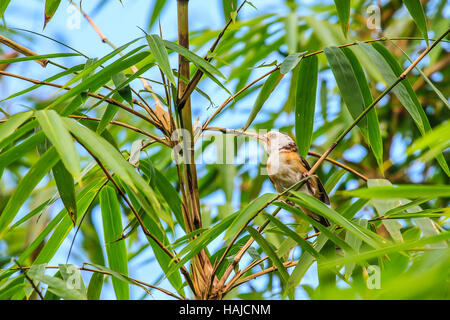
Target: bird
285,167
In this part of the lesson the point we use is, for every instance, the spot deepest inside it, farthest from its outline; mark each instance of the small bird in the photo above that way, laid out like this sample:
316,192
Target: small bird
286,167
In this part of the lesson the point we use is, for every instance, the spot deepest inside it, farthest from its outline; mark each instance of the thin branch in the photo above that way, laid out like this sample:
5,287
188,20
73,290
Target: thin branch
29,280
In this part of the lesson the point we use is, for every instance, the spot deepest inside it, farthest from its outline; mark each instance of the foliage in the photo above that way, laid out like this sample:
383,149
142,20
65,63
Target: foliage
102,144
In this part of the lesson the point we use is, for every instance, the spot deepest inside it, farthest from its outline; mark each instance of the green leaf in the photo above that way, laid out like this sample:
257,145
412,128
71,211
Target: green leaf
195,59
305,103
156,11
409,191
334,180
3,5
291,62
324,230
50,8
348,84
200,243
66,189
272,81
60,288
112,230
249,212
305,261
16,152
374,135
382,206
390,70
305,245
95,286
418,14
72,277
26,186
8,127
56,132
266,247
162,57
110,157
355,243
63,225
343,10
122,88
38,57
387,250
311,203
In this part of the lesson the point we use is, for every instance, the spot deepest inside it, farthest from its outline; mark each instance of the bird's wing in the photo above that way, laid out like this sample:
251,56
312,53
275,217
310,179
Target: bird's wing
315,183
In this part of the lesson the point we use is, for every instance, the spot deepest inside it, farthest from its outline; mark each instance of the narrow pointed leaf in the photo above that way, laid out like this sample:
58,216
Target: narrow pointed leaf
50,8
343,10
162,57
272,81
26,186
66,189
305,103
194,58
59,136
265,246
116,250
416,11
409,191
7,128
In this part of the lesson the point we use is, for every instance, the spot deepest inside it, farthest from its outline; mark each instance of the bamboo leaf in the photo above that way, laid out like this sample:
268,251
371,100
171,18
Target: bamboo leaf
3,5
374,135
56,132
26,186
272,81
162,57
112,229
265,246
343,10
59,287
195,59
95,286
418,14
409,191
7,128
327,232
250,211
387,250
348,84
66,189
291,62
305,103
319,207
50,8
305,245
156,11
122,88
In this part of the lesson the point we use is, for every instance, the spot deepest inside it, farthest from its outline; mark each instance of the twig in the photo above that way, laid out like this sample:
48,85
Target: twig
29,280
